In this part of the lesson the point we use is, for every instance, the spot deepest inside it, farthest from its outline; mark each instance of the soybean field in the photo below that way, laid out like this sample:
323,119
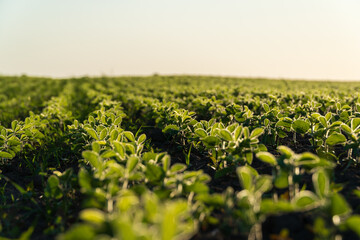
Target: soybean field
179,157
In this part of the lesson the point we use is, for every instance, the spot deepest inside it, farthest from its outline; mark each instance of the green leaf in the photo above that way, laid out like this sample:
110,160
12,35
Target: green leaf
117,121
171,128
177,168
114,134
14,124
335,138
346,128
245,177
282,180
92,133
211,141
13,141
249,157
286,151
256,132
131,163
129,136
53,187
266,107
200,132
119,148
84,180
93,215
355,122
323,121
263,183
353,224
197,187
95,146
268,206
321,183
103,134
267,158
166,162
108,154
237,132
226,135
92,158
5,155
339,206
301,126
141,138
154,173
305,199
80,231
246,132
328,116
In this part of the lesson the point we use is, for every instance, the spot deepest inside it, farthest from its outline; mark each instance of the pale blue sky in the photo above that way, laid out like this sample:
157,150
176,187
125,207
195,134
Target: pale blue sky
313,39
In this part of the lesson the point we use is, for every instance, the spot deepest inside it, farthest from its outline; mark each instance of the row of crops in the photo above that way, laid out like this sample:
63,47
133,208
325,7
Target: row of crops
179,157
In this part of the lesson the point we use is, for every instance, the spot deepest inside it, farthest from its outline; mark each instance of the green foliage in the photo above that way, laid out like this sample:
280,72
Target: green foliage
135,151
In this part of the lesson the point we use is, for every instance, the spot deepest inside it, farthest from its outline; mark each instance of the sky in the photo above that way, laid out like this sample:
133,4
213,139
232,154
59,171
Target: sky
307,39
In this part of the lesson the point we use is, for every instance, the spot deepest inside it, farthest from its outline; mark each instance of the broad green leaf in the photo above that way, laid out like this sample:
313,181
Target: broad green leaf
95,146
245,177
154,173
170,219
93,215
13,141
197,187
305,199
177,168
328,116
171,128
282,180
346,128
114,134
84,180
237,132
353,223
286,151
108,154
266,107
301,126
129,136
335,138
256,132
5,155
226,135
211,141
339,206
267,157
79,231
131,163
355,122
117,121
249,157
53,187
92,133
119,148
263,183
323,121
141,138
321,183
268,206
246,132
14,124
103,134
200,132
92,157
